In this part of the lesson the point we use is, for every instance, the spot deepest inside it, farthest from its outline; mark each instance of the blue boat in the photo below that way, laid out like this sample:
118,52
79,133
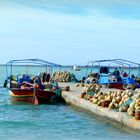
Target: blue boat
31,90
112,73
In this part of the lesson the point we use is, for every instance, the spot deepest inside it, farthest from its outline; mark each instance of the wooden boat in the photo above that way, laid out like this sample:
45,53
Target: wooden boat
115,79
30,96
33,93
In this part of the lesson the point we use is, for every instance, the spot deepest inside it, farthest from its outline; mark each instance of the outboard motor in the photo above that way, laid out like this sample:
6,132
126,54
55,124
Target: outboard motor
5,83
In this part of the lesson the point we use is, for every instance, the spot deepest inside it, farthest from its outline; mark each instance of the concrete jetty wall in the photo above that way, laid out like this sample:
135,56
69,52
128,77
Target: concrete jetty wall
73,97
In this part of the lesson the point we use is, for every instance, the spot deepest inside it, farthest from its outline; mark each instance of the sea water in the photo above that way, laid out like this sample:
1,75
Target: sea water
49,122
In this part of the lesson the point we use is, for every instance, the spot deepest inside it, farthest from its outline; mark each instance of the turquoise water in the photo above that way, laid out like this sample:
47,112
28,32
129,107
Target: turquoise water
51,122
25,121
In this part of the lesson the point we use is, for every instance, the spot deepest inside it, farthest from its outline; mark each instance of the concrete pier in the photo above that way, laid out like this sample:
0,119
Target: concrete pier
122,119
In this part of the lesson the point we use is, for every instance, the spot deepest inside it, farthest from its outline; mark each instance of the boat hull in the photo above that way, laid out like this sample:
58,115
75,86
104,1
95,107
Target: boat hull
28,95
116,86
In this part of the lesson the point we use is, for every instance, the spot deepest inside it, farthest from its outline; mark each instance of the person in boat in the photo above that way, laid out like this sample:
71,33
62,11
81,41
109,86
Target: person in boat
116,72
37,80
25,82
21,80
83,79
27,78
48,77
125,74
44,77
132,76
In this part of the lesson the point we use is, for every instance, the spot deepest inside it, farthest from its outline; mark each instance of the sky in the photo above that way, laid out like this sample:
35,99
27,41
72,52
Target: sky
70,32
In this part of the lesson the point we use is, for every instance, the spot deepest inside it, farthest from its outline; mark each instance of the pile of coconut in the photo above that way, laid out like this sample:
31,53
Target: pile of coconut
122,101
62,76
89,90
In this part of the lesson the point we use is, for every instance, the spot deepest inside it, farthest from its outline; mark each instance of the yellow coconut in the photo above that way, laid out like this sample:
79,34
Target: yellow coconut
91,88
95,101
119,98
114,100
130,93
131,112
137,101
87,89
116,105
84,89
99,103
126,96
125,108
137,108
96,95
109,92
123,94
109,98
120,103
120,109
127,91
119,93
111,106
132,105
100,97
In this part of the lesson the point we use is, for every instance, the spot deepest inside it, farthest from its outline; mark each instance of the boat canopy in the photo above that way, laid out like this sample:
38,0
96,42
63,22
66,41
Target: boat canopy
28,62
120,63
35,61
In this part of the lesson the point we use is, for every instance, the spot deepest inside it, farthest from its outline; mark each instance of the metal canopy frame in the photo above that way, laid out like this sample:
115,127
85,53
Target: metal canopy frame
121,62
33,62
117,61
